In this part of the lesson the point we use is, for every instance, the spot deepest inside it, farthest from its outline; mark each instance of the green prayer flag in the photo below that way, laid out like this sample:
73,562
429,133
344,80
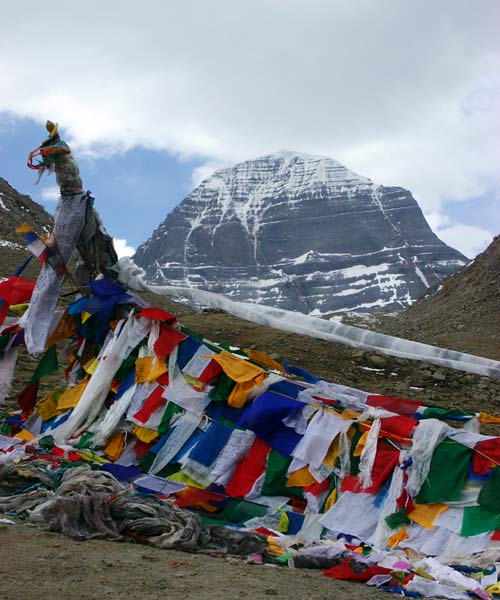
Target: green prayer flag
4,340
447,474
46,442
127,365
170,411
239,511
85,440
146,461
48,364
478,520
355,460
398,519
436,412
283,559
332,485
489,496
276,476
222,389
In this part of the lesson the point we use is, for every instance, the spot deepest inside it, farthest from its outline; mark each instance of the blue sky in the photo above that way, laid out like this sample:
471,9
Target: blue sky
134,190
154,96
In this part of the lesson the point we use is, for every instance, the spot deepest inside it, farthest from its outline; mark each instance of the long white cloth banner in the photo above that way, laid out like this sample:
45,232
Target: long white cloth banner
133,276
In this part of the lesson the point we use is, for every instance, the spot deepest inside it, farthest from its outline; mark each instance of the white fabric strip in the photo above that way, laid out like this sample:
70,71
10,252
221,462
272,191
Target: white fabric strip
133,276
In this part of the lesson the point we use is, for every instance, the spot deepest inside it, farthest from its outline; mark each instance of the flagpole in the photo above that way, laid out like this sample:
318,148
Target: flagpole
68,272
57,251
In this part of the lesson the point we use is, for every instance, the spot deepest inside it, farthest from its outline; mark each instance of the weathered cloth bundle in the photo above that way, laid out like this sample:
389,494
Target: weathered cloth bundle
92,504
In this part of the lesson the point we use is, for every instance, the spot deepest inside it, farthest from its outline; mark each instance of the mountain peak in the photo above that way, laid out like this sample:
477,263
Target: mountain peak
300,232
299,168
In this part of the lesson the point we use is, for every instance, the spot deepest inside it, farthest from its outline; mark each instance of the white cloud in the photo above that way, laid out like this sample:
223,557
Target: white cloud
468,239
204,171
122,248
50,194
406,93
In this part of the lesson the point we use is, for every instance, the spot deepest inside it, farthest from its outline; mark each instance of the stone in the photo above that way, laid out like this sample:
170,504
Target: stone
438,376
376,361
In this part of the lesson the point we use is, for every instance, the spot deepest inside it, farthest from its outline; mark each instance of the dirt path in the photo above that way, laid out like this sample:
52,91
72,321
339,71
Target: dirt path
39,565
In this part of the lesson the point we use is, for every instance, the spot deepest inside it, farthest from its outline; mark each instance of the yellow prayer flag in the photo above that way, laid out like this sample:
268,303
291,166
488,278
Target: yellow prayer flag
115,446
487,418
149,368
181,477
144,434
71,396
246,375
330,501
19,307
361,444
25,435
333,453
91,365
275,549
284,523
398,537
65,329
349,414
24,228
238,369
425,514
239,393
90,456
196,383
47,406
263,359
300,478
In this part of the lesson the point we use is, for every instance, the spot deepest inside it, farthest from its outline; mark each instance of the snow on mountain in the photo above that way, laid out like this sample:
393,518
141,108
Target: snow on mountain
299,232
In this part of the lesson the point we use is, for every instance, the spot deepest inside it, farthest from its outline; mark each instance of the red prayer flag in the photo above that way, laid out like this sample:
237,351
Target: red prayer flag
27,398
211,372
158,314
153,402
345,571
193,497
401,406
397,427
484,454
167,341
14,290
249,470
386,459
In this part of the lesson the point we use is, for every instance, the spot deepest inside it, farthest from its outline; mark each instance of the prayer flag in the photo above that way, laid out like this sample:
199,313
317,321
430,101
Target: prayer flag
48,364
45,249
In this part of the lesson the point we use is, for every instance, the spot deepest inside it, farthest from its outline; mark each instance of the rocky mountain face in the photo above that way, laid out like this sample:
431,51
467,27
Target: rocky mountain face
299,232
14,209
463,312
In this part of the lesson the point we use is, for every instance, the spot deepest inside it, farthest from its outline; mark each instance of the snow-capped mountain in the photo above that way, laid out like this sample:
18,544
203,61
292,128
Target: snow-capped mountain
299,232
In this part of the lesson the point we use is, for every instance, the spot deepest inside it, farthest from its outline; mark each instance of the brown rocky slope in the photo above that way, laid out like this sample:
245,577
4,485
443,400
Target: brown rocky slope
463,313
15,208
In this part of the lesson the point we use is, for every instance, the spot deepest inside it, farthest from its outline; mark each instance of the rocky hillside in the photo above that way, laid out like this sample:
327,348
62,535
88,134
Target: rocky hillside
299,232
462,313
14,209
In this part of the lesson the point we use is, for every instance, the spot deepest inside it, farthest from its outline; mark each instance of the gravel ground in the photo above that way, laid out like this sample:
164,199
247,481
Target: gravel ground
36,565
